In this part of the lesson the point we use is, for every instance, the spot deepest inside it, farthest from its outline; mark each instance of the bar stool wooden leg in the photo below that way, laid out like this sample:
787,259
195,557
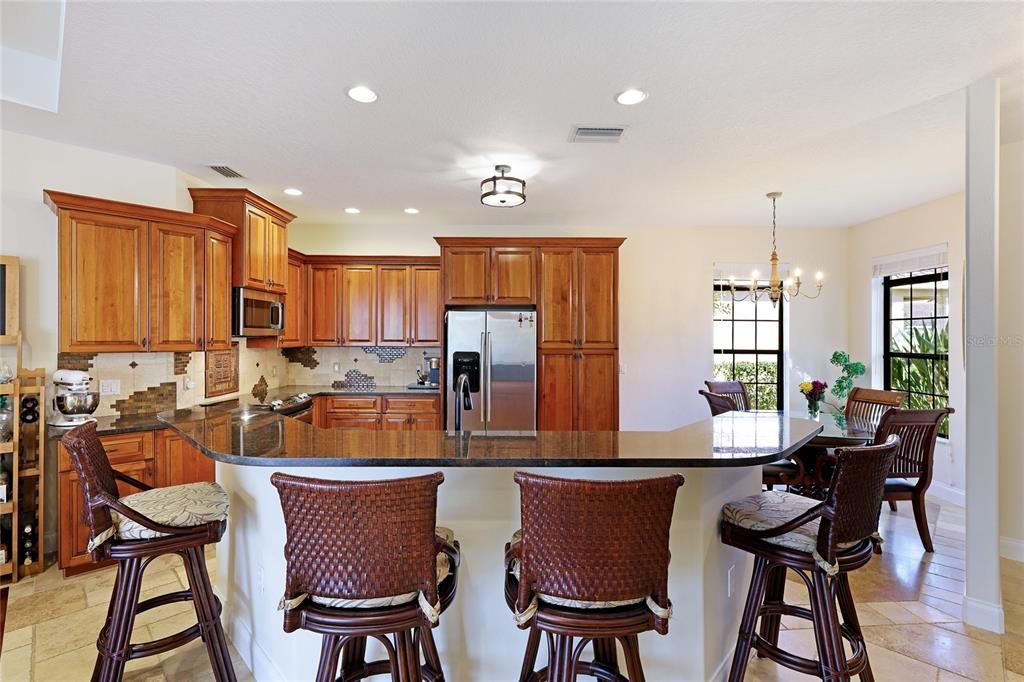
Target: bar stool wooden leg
560,667
631,652
104,636
208,614
408,658
118,642
330,650
849,612
433,660
606,653
755,597
775,592
353,659
827,634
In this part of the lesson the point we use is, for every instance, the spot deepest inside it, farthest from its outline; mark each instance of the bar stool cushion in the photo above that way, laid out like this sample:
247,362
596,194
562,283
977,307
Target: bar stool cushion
773,508
443,571
182,506
513,568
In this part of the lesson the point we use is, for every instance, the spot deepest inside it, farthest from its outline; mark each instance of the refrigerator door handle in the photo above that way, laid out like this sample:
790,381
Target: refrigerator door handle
487,362
484,371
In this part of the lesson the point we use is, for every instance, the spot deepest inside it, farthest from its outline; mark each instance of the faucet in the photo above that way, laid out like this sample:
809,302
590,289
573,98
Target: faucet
463,399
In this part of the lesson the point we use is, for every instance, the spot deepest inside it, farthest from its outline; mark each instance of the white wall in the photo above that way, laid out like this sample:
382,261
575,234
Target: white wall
665,300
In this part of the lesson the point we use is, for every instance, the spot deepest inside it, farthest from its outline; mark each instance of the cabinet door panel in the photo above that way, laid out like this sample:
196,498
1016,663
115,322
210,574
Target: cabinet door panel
393,305
218,291
425,422
257,235
352,421
556,388
395,422
425,306
598,307
358,303
295,318
277,255
178,462
467,275
324,305
597,391
558,299
104,283
513,275
176,295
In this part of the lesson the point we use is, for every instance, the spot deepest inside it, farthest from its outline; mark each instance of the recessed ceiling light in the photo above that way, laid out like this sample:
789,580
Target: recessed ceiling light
362,94
293,192
351,210
631,96
412,211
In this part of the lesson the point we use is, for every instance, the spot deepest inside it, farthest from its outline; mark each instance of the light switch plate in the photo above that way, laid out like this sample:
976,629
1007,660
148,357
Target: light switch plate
110,387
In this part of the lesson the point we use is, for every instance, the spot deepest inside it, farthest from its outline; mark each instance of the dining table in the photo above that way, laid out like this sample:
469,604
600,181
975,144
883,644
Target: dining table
813,456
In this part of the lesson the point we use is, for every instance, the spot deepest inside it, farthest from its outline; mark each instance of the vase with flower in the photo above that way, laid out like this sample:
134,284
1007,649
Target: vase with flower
814,391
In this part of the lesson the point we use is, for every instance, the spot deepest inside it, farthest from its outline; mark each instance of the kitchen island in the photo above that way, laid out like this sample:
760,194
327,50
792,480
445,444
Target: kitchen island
720,458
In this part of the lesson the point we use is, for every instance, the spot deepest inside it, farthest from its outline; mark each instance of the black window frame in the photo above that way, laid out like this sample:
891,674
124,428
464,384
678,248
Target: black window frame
722,286
940,274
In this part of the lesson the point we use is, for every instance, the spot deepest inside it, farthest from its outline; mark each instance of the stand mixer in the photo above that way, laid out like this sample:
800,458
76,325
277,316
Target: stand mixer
73,401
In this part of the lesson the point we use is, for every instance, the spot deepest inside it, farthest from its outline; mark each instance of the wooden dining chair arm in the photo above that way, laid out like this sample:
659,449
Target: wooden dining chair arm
791,525
134,482
451,550
124,510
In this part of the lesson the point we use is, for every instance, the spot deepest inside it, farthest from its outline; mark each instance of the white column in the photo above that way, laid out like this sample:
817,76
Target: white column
982,600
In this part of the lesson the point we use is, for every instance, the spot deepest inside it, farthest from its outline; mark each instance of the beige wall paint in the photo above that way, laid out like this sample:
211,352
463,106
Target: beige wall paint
665,300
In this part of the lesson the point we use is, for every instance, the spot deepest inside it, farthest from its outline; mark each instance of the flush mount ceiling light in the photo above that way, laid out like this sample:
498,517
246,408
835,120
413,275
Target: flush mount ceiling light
412,211
362,94
631,97
501,190
351,210
293,192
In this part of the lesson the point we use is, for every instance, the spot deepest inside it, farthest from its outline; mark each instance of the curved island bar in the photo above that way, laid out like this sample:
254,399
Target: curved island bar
477,639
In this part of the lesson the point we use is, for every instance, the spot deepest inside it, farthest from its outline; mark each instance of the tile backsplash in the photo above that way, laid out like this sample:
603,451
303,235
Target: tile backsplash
386,367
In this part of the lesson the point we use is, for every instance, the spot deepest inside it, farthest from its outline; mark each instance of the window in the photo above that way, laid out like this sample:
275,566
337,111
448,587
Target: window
916,308
748,344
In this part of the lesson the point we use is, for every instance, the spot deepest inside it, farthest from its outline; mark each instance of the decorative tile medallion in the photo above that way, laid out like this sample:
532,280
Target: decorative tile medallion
133,364
386,354
356,379
305,356
222,371
152,399
259,390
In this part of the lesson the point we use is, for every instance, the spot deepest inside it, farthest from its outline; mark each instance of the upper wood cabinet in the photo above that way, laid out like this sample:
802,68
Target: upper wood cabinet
393,299
217,294
176,269
261,249
579,302
323,302
134,278
425,324
481,275
296,332
358,305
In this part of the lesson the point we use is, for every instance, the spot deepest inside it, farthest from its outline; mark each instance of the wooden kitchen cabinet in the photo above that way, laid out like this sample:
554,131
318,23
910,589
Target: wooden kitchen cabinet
393,301
513,275
558,311
362,422
578,390
578,302
139,278
323,305
426,327
480,275
177,462
261,249
598,298
295,331
358,305
556,390
217,294
176,300
387,413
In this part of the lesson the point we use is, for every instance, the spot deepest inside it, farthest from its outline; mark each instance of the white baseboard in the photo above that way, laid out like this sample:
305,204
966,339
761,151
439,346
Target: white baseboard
1011,548
259,663
983,614
722,670
947,493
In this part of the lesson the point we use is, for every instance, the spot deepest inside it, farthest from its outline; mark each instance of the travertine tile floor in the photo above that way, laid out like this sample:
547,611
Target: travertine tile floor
908,601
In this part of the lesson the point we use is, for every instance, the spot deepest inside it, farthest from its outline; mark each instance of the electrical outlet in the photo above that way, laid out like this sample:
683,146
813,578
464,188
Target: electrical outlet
273,371
622,368
337,367
110,387
729,582
188,384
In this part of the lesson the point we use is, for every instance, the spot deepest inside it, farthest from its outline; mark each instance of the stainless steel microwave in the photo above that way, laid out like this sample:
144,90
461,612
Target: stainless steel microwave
256,313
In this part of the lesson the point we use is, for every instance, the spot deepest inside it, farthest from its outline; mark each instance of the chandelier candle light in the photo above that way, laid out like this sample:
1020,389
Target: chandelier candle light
502,191
777,287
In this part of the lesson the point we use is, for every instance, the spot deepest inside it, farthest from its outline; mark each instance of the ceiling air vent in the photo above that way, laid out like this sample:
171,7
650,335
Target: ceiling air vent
596,134
226,171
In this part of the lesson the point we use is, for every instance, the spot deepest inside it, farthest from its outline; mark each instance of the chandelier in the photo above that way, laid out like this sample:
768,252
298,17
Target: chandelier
777,287
501,190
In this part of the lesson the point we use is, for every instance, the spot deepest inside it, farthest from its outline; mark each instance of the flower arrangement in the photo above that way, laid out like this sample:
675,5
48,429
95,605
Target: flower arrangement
814,391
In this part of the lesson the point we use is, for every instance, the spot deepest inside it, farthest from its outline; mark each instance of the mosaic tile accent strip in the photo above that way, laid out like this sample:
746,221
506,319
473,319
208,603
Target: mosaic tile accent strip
80,361
356,379
259,390
222,371
150,400
386,354
305,356
181,360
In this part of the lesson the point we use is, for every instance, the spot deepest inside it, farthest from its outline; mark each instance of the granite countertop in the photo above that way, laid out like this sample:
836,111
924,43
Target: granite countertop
315,390
246,436
114,424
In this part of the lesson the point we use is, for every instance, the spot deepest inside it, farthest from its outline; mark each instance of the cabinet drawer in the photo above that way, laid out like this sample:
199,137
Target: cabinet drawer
120,448
412,405
353,404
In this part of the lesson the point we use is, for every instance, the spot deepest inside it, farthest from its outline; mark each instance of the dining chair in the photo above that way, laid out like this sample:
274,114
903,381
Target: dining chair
918,431
736,390
719,404
865,407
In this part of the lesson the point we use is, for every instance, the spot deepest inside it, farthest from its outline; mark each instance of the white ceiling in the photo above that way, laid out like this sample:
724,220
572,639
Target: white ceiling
852,109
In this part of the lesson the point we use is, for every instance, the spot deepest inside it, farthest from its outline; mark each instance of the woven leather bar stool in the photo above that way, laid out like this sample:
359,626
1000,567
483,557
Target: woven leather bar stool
134,530
821,542
590,564
365,560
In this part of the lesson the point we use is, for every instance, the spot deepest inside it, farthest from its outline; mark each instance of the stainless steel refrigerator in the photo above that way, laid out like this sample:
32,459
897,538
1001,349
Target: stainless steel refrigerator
497,350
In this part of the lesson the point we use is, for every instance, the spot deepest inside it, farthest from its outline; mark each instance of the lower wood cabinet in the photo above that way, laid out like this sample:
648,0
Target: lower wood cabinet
364,422
157,458
386,413
578,390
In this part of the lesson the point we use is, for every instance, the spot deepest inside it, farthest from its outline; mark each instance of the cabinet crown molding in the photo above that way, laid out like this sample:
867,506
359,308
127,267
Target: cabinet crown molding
330,259
58,201
240,194
607,242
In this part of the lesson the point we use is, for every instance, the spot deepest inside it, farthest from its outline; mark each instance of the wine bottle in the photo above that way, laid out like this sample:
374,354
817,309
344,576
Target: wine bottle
28,543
